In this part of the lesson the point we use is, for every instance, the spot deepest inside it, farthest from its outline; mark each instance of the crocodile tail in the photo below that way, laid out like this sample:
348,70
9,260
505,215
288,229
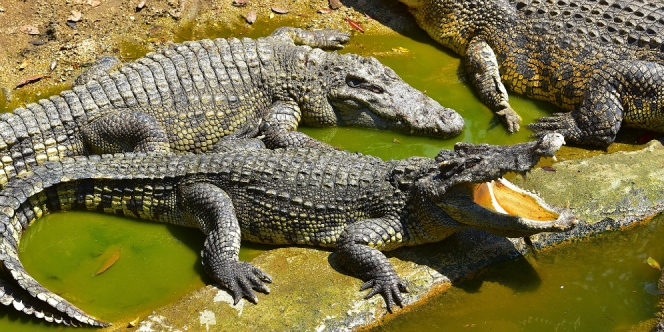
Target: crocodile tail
18,208
38,132
17,298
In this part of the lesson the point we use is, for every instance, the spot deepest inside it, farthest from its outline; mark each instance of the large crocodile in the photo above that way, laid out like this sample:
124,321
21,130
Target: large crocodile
354,203
192,96
601,60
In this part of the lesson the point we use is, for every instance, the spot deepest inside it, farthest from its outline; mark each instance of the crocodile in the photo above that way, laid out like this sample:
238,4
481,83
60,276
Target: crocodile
358,204
198,95
600,61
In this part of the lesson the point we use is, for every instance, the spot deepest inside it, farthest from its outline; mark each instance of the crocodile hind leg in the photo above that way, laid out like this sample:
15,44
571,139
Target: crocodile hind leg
629,91
125,131
482,67
210,208
324,39
358,249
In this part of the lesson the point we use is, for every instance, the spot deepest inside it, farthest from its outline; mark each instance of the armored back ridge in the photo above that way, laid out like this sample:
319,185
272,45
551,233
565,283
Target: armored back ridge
356,204
198,96
601,60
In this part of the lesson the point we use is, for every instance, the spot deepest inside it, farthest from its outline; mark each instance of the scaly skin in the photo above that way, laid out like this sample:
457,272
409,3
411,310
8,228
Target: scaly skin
359,205
601,60
196,96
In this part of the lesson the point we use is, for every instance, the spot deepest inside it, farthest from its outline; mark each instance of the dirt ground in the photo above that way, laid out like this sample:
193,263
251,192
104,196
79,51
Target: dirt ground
50,42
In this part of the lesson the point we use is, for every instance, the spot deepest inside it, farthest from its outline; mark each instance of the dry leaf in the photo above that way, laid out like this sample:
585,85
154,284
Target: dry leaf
134,322
29,29
251,17
355,25
653,263
75,16
394,140
325,11
29,80
109,262
279,10
23,64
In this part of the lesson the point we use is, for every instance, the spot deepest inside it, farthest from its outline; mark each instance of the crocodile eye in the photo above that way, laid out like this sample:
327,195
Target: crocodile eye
355,82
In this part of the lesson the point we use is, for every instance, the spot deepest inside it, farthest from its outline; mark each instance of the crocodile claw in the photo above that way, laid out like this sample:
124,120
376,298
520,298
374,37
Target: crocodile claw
241,279
509,117
390,289
562,123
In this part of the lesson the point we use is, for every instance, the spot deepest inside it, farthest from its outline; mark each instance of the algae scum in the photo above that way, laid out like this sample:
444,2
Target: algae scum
601,284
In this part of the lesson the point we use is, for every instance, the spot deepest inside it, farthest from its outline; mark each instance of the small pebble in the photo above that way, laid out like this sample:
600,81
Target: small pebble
335,4
251,17
54,64
240,3
279,10
140,5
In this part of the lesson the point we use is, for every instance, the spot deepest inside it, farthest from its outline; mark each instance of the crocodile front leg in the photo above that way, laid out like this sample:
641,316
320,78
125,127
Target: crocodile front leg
482,67
125,131
280,125
630,92
324,39
209,207
358,249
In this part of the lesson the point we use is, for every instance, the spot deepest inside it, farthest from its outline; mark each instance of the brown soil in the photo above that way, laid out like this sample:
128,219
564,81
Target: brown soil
117,27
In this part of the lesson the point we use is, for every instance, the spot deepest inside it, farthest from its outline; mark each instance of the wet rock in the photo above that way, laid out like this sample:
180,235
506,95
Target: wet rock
251,17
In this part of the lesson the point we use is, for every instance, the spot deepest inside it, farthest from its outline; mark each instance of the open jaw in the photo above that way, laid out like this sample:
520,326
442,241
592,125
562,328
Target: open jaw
502,208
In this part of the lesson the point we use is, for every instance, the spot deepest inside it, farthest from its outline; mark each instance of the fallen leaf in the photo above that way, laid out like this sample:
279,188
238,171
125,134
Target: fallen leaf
325,10
109,262
240,3
134,322
355,25
271,15
335,4
394,140
251,17
75,16
29,29
31,79
279,10
23,64
653,263
548,169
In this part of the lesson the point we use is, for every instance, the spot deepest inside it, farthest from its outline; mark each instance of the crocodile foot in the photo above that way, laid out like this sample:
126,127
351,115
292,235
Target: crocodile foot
509,117
562,123
241,279
390,288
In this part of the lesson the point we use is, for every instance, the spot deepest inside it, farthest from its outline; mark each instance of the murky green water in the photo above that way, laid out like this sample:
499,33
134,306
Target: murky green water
603,284
159,263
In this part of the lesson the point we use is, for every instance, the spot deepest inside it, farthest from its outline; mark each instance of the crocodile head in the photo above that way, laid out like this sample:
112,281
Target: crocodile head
366,93
469,189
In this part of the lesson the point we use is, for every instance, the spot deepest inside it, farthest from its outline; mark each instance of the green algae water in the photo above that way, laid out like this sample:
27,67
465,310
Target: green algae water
157,264
602,284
